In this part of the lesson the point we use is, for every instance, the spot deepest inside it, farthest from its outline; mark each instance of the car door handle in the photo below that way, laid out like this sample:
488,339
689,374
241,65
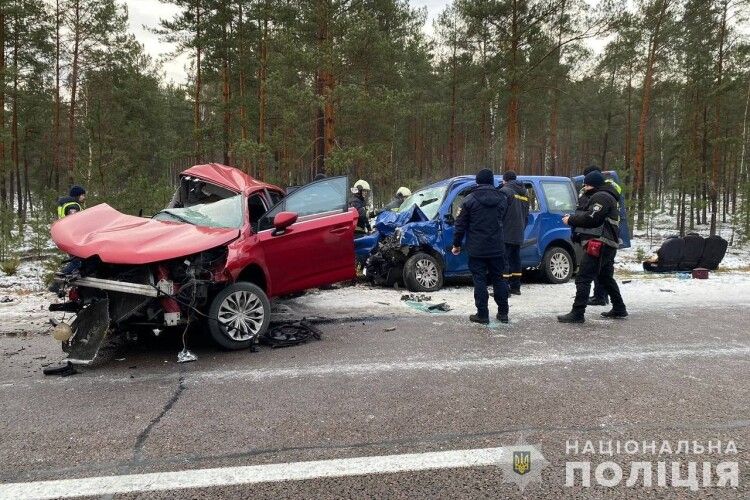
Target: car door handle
339,230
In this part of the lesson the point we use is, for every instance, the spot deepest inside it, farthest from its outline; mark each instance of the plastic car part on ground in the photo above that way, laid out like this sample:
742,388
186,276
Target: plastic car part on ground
290,334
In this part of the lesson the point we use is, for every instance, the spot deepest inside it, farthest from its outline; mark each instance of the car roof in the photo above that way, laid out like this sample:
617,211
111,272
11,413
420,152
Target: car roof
228,177
472,178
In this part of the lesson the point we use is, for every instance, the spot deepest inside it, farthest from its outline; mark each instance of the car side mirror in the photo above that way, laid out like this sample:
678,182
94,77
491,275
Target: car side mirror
449,219
282,221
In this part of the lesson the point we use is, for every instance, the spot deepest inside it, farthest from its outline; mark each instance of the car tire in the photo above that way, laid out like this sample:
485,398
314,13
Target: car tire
557,265
251,303
423,273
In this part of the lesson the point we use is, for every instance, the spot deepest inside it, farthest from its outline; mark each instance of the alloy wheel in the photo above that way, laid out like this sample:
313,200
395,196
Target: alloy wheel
426,273
559,266
241,315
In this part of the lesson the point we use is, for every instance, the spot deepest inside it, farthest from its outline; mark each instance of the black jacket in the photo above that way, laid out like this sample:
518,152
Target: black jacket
514,222
360,204
481,221
595,215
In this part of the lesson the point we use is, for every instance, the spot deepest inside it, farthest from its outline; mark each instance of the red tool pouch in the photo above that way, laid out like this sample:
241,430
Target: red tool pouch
594,248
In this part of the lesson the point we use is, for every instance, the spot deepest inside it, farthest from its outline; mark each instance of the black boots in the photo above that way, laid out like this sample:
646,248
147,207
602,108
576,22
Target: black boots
571,317
502,318
479,319
613,314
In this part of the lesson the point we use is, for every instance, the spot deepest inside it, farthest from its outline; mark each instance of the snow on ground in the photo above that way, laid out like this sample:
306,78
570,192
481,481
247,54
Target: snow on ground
641,294
28,278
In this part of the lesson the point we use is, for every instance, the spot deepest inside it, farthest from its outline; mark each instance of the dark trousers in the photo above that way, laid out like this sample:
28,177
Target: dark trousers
513,274
599,291
603,269
484,271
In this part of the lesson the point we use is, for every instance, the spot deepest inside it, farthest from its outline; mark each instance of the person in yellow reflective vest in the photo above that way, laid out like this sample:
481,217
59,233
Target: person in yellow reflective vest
68,205
73,203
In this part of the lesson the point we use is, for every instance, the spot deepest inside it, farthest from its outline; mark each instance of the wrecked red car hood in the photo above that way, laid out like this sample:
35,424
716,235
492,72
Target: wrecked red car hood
118,238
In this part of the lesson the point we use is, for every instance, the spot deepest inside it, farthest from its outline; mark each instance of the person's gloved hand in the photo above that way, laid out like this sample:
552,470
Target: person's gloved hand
456,250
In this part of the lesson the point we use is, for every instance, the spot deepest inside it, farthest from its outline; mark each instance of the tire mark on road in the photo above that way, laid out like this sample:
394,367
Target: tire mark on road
140,442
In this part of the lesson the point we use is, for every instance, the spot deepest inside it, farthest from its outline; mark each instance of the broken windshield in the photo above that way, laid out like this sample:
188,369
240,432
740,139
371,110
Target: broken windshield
226,213
427,199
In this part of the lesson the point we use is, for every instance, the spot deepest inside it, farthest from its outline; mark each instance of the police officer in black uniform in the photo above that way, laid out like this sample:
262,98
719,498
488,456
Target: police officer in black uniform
514,225
481,221
597,226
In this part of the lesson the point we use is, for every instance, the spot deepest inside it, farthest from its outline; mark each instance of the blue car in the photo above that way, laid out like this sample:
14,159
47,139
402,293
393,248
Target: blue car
413,245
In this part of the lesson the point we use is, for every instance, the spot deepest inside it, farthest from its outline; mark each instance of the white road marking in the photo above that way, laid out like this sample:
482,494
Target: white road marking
227,476
449,365
455,365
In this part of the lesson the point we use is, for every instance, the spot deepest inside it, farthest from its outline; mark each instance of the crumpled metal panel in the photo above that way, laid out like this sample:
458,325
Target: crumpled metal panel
387,222
90,329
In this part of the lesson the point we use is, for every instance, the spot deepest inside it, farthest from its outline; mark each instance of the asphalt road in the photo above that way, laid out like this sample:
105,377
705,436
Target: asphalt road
435,383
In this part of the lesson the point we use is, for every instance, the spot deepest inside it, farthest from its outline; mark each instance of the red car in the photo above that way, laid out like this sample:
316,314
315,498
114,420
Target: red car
223,246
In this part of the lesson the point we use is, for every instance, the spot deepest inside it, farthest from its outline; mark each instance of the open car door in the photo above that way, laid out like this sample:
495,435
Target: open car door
316,250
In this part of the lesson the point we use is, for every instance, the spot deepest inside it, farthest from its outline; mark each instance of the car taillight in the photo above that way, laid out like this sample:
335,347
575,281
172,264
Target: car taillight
73,295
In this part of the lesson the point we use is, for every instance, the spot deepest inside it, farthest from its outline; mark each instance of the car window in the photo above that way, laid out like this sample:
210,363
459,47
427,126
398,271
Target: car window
275,197
311,200
428,199
256,208
226,213
533,198
560,196
457,201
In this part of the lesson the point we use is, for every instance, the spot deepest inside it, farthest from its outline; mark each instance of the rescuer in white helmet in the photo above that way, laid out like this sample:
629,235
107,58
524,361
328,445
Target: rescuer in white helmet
402,193
358,200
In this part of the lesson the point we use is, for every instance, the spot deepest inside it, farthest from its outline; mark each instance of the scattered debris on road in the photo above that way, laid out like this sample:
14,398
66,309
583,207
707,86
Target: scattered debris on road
416,297
290,334
5,300
443,306
63,370
390,329
666,290
185,356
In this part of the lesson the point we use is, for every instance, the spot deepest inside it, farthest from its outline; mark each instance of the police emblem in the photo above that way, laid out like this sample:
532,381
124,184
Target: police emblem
521,462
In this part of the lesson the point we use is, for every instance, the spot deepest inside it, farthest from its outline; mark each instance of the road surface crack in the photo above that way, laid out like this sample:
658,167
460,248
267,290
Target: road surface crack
140,442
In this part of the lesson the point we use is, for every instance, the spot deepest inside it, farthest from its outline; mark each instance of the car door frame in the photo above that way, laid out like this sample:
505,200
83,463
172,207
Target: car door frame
330,232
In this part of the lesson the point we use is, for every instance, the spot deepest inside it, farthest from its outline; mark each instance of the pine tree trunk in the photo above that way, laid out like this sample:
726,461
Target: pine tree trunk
14,123
648,81
226,95
56,125
3,189
511,159
262,94
452,130
241,64
197,132
73,92
716,147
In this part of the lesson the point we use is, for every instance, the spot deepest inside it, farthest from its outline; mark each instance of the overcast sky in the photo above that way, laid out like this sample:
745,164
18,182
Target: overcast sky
145,14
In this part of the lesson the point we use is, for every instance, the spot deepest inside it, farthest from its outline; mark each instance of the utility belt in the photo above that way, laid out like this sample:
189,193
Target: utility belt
597,233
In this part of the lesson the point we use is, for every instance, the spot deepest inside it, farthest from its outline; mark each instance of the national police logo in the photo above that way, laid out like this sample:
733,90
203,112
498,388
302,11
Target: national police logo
521,462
